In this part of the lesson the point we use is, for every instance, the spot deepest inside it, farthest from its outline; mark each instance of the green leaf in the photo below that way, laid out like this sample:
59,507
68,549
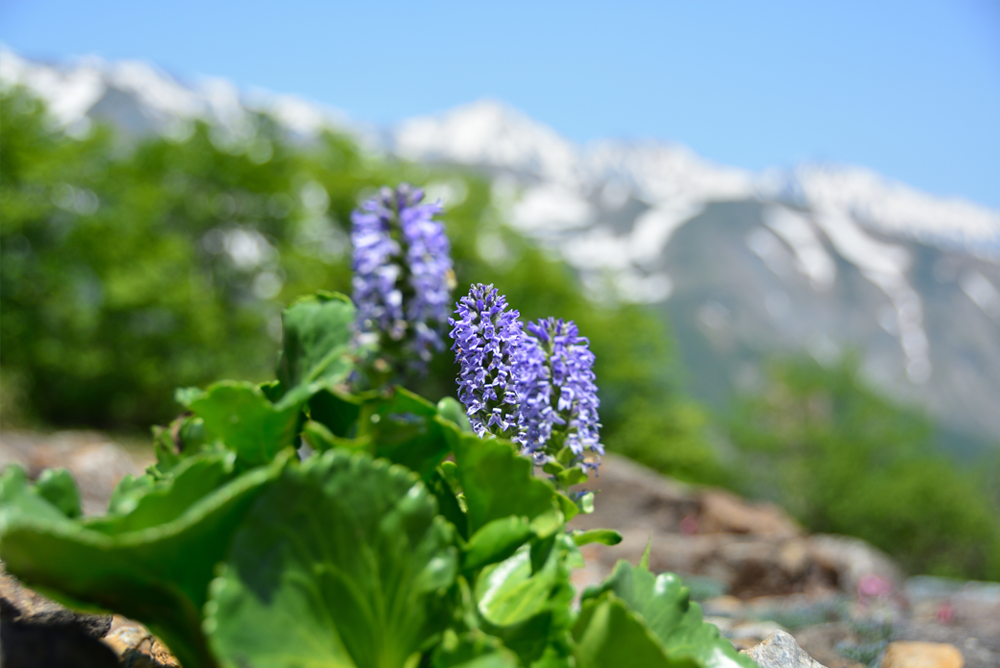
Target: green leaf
609,635
238,414
448,502
320,438
663,602
316,341
529,609
496,541
602,536
150,505
569,507
403,428
571,476
337,410
497,480
21,502
127,493
158,576
58,488
342,563
509,593
184,437
548,523
473,650
450,409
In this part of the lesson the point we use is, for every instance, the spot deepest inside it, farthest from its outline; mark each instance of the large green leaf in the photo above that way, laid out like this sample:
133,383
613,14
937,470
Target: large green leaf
609,635
165,500
664,603
158,575
316,341
342,563
497,481
239,414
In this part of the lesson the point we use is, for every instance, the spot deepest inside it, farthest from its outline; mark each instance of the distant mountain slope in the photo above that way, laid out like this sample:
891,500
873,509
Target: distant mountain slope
820,258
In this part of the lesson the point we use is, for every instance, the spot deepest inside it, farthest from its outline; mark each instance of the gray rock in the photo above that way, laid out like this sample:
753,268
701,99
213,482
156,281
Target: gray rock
779,650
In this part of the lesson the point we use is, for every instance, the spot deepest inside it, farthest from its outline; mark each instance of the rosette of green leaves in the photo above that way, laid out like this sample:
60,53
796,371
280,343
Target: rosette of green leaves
404,539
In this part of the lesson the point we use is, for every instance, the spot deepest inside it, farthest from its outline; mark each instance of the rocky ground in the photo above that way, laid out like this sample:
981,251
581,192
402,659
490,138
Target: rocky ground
757,574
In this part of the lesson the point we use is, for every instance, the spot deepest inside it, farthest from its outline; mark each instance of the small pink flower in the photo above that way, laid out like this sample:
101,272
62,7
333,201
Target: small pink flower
873,586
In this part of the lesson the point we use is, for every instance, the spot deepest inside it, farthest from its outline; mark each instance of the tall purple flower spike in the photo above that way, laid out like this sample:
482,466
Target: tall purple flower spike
487,337
557,393
402,271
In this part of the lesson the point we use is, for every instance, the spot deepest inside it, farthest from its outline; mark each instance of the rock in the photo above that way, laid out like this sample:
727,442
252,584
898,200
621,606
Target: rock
822,640
747,565
34,646
21,605
136,647
749,634
752,549
909,654
633,496
723,512
779,650
852,559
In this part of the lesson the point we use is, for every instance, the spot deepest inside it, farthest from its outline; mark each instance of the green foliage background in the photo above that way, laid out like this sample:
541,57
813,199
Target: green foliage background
129,268
845,460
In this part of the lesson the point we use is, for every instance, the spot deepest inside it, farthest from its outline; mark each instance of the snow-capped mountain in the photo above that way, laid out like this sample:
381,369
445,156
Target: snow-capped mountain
819,258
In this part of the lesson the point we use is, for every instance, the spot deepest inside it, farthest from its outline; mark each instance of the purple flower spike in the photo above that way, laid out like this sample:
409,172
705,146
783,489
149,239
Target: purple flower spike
402,272
487,337
557,392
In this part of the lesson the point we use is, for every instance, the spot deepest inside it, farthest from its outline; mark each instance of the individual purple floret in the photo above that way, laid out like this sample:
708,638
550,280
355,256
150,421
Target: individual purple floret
402,272
487,337
557,393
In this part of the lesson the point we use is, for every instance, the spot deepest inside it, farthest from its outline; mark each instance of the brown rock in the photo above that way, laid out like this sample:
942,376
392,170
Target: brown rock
23,606
723,512
910,654
136,647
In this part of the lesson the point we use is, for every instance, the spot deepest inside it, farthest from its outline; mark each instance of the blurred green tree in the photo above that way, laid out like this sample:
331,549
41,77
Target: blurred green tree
843,459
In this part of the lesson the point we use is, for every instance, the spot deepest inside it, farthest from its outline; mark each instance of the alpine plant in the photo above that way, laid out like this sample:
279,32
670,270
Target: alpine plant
558,396
487,337
403,276
535,387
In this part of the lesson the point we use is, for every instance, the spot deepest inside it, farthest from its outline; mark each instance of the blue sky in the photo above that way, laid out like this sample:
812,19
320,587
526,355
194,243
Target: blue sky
910,89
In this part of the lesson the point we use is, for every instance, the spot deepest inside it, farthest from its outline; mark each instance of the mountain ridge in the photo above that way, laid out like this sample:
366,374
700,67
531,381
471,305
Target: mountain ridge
744,264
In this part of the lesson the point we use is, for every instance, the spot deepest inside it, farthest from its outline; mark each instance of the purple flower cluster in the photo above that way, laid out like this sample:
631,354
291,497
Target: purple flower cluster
536,387
402,271
558,396
486,337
